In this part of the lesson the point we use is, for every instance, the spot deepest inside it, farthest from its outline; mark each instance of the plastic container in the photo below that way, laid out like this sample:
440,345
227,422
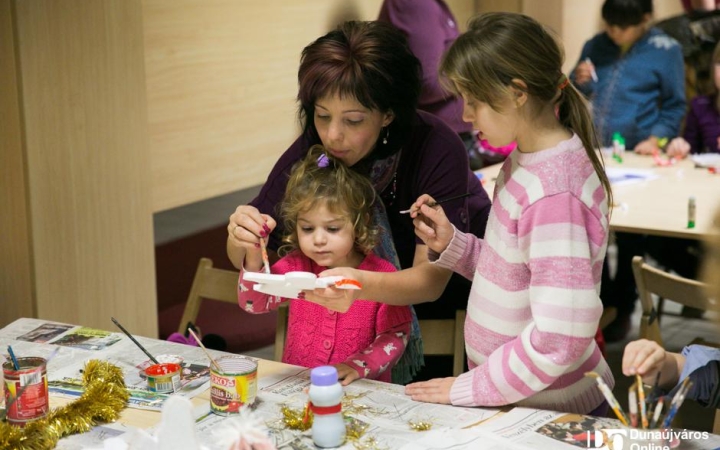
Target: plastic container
328,429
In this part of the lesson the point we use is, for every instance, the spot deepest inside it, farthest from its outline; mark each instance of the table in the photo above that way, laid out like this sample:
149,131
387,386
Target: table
385,408
659,205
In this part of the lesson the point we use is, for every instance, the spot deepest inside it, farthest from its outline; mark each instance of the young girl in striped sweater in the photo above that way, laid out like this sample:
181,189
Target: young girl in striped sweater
534,305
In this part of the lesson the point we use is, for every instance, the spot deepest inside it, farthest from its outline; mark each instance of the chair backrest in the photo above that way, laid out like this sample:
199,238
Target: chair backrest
211,283
445,337
281,331
650,280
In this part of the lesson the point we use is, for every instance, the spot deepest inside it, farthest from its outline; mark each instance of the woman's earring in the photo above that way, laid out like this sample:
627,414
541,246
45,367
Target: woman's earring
387,135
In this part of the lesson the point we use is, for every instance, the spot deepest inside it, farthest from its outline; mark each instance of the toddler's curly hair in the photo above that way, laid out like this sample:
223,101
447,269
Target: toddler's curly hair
331,183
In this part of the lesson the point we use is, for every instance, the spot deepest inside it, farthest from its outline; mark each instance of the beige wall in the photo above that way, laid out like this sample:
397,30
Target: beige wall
79,243
221,86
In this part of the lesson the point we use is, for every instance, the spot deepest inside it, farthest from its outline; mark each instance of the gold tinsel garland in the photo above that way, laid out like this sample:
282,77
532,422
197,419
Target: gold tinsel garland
104,397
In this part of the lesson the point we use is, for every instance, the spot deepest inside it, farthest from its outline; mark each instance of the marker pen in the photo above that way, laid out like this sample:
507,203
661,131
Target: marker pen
593,74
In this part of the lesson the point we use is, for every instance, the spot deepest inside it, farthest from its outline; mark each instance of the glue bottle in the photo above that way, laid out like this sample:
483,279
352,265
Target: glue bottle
328,429
618,146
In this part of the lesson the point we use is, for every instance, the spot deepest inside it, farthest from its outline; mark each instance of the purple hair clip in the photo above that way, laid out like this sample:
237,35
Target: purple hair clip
323,161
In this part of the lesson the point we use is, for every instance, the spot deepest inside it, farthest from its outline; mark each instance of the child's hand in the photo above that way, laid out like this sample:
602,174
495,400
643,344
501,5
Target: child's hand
433,391
647,147
643,357
678,148
431,224
346,374
583,72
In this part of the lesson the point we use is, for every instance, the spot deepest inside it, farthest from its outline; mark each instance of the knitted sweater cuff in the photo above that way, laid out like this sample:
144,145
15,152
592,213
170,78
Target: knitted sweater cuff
461,392
449,258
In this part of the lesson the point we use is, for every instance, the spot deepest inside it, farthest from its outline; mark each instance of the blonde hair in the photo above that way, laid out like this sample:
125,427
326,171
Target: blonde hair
333,184
501,47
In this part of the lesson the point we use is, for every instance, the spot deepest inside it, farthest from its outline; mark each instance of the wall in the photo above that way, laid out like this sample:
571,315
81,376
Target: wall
81,247
221,86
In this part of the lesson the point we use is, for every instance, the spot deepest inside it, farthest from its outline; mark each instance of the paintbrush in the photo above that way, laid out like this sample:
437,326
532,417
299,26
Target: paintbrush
127,333
265,259
197,339
438,202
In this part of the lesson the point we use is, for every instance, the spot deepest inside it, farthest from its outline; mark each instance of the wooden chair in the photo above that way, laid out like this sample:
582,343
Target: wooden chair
210,283
445,337
650,280
281,331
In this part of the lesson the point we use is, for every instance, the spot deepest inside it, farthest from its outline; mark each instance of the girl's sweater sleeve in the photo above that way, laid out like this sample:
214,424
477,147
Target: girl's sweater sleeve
256,302
392,326
563,242
461,255
389,345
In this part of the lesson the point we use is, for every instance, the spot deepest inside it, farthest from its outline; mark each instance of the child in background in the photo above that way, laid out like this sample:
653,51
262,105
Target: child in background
633,75
327,212
702,123
534,306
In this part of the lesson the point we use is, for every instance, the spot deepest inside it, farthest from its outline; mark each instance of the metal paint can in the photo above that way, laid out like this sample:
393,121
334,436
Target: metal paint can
164,378
234,385
31,382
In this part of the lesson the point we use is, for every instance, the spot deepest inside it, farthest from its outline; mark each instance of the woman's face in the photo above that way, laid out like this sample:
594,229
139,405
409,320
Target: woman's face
347,129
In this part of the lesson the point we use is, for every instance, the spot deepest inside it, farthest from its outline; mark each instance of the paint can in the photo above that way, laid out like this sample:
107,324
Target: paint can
234,385
31,382
164,378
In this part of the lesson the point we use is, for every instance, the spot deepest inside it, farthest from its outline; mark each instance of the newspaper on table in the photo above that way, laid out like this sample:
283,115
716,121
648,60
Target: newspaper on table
534,428
78,345
384,407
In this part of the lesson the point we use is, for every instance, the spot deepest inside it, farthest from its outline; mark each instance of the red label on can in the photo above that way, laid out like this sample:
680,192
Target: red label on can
30,383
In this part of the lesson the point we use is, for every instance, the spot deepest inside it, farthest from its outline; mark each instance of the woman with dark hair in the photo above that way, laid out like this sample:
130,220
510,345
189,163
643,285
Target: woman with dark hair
358,91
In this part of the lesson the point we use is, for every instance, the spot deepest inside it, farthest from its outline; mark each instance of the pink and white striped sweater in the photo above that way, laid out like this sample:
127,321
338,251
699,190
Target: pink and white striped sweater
534,305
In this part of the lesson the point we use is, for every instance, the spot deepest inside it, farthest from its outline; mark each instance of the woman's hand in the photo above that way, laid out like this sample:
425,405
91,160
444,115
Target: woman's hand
346,374
678,148
433,391
245,228
335,299
431,224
